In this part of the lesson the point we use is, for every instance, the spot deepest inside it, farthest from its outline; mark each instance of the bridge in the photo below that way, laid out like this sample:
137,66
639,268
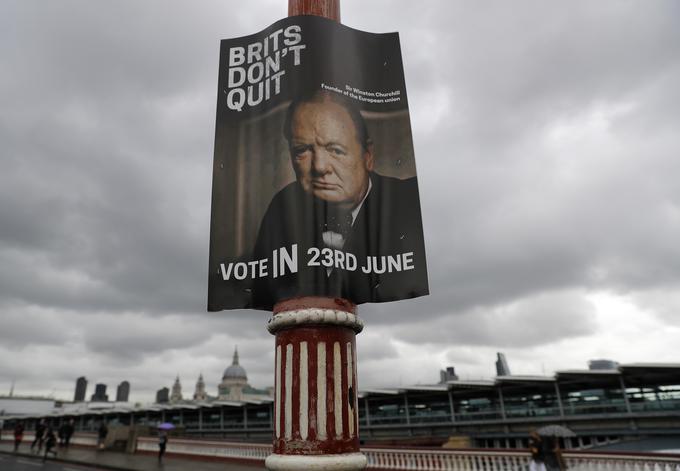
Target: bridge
207,454
630,402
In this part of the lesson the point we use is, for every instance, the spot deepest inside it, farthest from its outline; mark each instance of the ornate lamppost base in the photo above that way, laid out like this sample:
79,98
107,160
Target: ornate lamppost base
339,462
315,406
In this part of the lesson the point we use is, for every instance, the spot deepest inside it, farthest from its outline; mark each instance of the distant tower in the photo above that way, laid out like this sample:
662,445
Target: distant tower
502,368
123,392
234,381
200,394
447,375
99,393
176,395
11,389
81,389
162,395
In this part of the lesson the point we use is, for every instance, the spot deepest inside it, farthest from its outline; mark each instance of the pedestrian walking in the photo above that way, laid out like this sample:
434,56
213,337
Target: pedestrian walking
18,435
50,443
101,435
537,452
162,444
60,434
39,435
68,432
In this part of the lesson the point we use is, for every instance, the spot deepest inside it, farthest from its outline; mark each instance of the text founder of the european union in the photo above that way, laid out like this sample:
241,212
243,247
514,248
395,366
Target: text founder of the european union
358,233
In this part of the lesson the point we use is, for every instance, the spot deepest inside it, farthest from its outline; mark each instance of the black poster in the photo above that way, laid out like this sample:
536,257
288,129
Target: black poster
314,178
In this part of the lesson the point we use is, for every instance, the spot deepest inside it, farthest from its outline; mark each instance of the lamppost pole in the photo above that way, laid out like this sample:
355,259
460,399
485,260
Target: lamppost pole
316,423
327,8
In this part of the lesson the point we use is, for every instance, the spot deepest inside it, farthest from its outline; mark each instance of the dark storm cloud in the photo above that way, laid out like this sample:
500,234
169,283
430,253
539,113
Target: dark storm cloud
134,335
664,301
539,320
375,347
24,327
103,143
507,215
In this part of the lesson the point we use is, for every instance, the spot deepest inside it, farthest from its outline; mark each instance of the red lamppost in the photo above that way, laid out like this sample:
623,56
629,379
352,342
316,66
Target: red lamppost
316,424
327,8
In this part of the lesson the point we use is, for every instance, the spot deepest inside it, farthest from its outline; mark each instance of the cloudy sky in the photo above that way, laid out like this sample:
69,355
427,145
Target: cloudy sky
548,156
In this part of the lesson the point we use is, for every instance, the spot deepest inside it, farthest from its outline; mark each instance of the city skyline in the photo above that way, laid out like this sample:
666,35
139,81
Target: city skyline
546,148
188,387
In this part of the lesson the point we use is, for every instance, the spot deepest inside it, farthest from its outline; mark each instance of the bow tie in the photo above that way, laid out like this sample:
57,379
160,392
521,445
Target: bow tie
341,224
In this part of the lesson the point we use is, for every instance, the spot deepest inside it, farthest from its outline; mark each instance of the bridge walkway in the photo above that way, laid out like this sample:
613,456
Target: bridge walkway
118,461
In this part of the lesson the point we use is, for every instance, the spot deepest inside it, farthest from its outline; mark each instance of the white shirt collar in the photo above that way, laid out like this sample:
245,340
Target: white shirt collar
337,241
355,211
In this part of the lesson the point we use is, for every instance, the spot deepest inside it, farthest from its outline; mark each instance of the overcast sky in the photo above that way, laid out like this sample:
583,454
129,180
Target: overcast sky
548,153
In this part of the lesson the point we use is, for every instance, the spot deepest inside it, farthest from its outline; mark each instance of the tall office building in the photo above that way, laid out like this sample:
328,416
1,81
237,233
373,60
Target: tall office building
502,367
99,393
162,395
123,392
447,375
81,389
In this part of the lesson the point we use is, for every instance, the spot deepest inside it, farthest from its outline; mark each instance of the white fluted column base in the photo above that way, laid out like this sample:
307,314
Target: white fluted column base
339,462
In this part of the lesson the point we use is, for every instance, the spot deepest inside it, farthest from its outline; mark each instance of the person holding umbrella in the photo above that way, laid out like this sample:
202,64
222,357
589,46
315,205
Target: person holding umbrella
163,439
552,453
554,461
537,452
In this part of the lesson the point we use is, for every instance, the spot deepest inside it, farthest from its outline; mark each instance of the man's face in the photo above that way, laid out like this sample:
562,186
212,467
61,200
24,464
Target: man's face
328,158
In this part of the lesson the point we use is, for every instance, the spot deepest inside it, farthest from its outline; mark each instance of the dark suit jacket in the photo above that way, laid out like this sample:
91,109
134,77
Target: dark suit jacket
388,224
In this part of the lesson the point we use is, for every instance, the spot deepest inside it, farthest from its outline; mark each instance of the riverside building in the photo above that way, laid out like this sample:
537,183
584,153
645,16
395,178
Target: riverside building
630,401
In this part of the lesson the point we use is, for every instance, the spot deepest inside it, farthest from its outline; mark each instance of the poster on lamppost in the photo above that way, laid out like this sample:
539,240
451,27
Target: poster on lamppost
314,187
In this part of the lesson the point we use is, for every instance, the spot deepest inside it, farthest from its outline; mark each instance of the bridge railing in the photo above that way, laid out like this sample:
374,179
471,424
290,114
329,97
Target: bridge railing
82,439
210,448
410,459
510,460
624,461
434,459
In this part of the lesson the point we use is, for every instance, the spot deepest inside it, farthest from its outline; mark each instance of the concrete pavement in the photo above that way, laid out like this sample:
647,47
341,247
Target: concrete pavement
22,463
114,460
